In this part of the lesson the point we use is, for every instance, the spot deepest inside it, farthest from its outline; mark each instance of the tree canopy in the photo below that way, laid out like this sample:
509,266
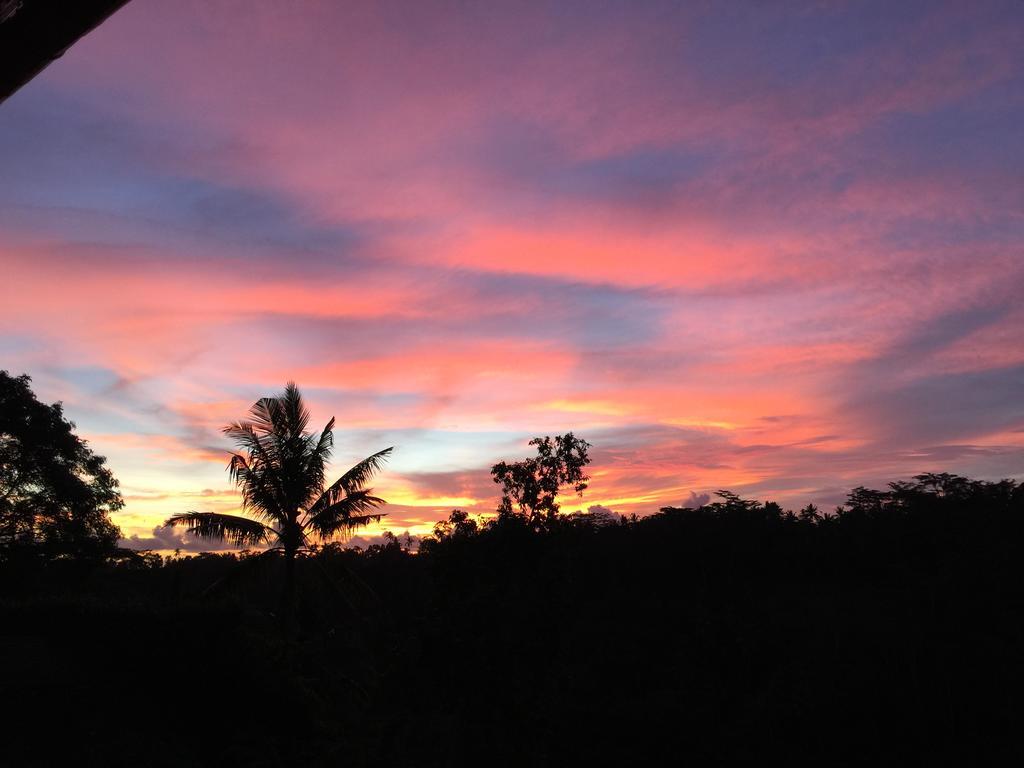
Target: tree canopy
56,495
530,487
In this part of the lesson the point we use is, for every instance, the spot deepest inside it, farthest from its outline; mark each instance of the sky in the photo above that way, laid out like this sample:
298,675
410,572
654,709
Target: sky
771,247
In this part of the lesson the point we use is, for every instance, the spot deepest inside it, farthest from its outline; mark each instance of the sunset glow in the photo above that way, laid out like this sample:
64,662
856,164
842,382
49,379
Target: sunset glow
777,252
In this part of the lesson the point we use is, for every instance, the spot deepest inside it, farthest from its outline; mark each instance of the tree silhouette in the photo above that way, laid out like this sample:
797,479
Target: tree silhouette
810,514
56,495
459,525
281,473
892,629
530,487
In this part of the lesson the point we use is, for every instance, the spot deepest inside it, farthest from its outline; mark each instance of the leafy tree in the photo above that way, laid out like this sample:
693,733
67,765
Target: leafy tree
930,490
863,501
732,504
281,472
56,495
530,487
457,527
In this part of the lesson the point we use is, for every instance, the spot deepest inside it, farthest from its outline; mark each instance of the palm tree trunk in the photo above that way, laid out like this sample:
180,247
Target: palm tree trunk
288,595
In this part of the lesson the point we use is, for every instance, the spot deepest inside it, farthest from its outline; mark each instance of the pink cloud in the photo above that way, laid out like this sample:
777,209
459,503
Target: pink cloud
756,257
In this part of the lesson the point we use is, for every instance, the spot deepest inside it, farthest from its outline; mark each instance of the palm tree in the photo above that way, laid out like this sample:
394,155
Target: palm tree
280,471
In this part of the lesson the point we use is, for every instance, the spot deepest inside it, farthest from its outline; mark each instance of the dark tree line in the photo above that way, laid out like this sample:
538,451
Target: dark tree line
887,631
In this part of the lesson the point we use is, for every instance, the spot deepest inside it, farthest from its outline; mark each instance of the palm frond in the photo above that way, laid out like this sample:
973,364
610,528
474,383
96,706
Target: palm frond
238,468
354,510
246,436
283,416
240,531
263,414
362,472
257,475
358,521
293,410
351,481
325,444
317,452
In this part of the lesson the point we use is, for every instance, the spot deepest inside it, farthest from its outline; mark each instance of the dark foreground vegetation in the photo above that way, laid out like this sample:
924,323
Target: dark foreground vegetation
890,633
